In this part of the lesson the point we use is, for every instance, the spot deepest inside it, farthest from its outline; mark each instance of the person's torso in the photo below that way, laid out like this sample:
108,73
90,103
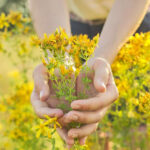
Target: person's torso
90,9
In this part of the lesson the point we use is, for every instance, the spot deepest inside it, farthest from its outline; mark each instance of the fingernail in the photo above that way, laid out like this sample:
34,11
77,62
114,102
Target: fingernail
74,117
41,94
104,86
101,87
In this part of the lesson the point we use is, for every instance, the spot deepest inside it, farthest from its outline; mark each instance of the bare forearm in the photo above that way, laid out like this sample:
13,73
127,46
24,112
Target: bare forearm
47,15
122,22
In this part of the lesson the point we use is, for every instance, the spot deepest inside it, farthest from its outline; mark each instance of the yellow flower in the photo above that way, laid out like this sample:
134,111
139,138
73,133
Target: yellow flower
96,39
3,21
49,135
2,108
70,51
51,121
1,47
15,18
77,61
58,125
44,129
63,70
26,30
35,41
7,145
144,103
131,114
44,62
41,130
14,73
63,33
53,61
77,71
51,71
70,70
18,134
1,127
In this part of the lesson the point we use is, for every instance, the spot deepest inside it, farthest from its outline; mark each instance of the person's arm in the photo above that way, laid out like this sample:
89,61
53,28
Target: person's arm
47,15
123,20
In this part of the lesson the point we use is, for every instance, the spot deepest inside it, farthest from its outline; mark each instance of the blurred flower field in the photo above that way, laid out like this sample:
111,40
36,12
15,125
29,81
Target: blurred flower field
126,125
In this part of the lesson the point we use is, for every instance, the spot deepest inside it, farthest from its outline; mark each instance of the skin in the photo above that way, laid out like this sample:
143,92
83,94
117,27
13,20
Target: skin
123,20
102,93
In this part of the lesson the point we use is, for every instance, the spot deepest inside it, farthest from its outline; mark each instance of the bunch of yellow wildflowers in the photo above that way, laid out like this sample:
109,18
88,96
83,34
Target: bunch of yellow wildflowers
66,55
47,129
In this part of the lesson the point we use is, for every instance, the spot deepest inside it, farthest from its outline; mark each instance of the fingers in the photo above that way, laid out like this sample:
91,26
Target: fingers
48,111
41,108
82,140
82,131
40,77
104,83
83,117
63,134
102,72
69,141
100,101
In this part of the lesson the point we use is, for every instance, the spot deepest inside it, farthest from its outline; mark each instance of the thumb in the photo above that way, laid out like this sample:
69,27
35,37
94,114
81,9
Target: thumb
101,76
40,77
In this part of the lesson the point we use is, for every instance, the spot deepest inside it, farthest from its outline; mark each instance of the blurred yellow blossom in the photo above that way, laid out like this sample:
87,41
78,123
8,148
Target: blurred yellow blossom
14,73
1,126
15,18
44,129
3,21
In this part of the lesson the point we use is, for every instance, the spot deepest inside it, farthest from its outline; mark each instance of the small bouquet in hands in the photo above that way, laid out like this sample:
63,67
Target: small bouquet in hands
65,57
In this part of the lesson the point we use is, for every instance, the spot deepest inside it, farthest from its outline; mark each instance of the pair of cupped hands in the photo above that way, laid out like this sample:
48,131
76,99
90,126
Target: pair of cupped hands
102,93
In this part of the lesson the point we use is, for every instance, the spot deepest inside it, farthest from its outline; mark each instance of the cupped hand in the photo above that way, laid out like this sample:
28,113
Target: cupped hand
43,101
101,94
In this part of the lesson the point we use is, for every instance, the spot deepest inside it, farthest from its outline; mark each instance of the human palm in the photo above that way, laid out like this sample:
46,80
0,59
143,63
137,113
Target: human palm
100,94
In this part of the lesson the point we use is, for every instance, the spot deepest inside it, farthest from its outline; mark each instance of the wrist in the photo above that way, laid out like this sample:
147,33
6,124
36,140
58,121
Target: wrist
106,52
95,61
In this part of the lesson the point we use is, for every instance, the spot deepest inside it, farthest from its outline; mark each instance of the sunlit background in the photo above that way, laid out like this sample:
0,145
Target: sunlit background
125,127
